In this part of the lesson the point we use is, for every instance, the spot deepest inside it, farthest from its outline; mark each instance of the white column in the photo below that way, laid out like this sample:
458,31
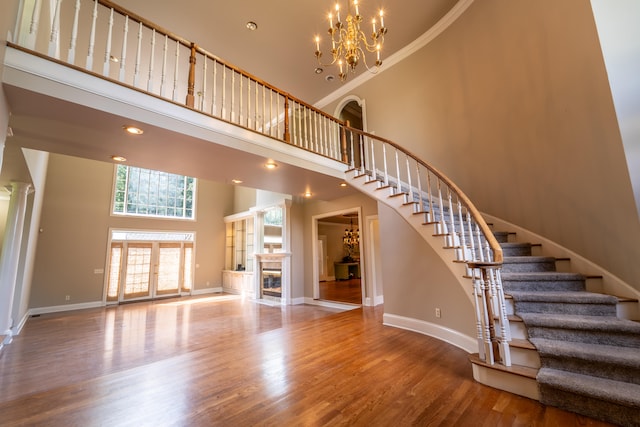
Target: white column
10,257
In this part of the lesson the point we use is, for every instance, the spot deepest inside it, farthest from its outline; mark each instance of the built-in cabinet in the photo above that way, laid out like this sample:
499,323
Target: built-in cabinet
237,277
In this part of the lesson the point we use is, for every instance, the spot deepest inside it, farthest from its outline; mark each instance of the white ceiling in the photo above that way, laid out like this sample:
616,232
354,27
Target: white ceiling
279,52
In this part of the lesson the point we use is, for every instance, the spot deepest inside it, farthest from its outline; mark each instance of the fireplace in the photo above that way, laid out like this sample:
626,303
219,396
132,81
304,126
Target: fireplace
273,283
272,279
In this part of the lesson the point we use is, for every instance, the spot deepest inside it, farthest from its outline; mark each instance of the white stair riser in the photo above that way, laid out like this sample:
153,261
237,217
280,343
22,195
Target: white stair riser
525,357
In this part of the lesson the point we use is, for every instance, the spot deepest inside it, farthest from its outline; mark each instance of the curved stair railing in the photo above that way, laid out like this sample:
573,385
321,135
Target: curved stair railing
453,216
100,38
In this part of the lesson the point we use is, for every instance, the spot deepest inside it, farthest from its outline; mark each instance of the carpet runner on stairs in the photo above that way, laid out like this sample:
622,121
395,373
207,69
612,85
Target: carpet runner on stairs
590,358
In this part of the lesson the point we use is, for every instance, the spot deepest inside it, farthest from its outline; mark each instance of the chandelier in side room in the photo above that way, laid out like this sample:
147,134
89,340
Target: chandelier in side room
351,237
349,43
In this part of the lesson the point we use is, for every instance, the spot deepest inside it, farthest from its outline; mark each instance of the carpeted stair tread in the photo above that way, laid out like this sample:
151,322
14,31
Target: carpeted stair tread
624,356
624,398
602,388
542,276
563,297
543,281
596,323
528,263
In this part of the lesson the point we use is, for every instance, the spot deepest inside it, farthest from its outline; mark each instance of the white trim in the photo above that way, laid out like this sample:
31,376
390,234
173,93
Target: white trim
460,7
215,290
361,103
66,307
464,342
330,304
298,301
379,300
23,321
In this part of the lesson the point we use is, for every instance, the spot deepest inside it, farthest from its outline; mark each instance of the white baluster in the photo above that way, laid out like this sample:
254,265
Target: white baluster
214,102
71,57
463,243
92,36
410,197
136,72
123,55
248,102
398,183
30,38
453,234
203,97
477,291
54,39
223,111
442,225
264,110
386,168
163,76
107,52
151,61
175,73
240,110
430,216
420,195
232,115
257,107
271,118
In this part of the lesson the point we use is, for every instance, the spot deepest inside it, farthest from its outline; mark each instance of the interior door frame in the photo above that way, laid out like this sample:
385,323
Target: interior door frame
314,250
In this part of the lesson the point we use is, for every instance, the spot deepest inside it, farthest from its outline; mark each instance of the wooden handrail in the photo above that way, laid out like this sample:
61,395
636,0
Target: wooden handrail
475,213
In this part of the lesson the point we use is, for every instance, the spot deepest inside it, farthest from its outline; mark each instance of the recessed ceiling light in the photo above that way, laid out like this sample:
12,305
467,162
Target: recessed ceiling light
252,26
133,130
113,59
119,158
236,181
270,165
318,70
330,78
308,194
343,184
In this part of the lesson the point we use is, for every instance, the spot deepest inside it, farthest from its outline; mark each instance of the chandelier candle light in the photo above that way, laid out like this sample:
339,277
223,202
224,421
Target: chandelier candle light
349,42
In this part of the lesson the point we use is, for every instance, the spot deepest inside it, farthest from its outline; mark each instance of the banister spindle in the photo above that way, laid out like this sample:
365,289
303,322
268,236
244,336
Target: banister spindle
214,100
232,113
163,75
463,241
374,173
477,298
151,61
241,98
223,104
386,168
54,37
420,195
34,23
398,183
106,66
430,215
176,66
71,57
409,180
287,132
453,235
92,36
264,109
136,70
123,54
271,118
203,87
248,102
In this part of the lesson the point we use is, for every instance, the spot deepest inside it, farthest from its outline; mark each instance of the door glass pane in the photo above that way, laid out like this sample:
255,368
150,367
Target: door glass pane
168,268
138,270
114,271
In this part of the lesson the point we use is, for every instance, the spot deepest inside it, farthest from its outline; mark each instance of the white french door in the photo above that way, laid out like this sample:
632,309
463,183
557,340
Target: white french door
146,270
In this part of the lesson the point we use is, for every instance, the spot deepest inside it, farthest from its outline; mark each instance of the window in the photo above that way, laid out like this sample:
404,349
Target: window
147,192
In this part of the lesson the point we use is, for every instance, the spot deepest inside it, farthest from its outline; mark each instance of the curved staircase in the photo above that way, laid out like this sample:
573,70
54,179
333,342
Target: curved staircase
569,348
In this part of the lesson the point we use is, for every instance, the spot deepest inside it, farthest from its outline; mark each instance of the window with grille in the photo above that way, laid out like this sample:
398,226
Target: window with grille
145,192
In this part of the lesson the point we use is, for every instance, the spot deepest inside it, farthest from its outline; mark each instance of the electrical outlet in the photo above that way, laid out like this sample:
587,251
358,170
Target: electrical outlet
67,298
438,313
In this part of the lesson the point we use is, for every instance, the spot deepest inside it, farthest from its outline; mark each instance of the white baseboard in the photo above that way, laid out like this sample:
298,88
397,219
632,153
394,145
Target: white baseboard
216,290
379,300
66,307
330,304
20,325
466,343
298,301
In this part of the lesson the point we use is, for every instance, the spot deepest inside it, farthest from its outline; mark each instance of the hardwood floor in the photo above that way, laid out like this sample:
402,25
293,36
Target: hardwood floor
222,360
349,291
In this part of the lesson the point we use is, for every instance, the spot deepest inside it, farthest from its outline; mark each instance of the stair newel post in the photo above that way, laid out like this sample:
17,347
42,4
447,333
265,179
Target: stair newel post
477,298
74,33
107,52
490,341
287,133
191,80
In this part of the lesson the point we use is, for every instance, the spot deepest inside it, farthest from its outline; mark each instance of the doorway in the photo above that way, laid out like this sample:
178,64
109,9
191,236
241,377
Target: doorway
337,270
148,265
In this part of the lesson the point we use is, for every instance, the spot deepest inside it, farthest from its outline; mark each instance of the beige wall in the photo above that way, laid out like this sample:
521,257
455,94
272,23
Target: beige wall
513,103
416,280
75,224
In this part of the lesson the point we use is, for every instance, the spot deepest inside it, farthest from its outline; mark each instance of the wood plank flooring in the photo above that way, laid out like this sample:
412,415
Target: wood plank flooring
226,361
349,291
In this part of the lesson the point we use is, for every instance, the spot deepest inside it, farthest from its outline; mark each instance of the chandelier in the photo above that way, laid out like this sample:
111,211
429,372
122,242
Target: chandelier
349,43
351,237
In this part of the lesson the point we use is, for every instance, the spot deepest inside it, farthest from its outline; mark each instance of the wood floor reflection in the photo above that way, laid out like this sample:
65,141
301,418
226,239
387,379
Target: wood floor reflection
223,360
349,291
